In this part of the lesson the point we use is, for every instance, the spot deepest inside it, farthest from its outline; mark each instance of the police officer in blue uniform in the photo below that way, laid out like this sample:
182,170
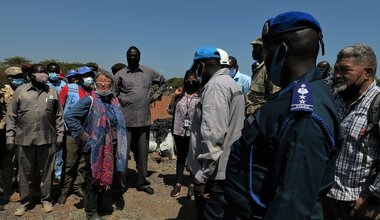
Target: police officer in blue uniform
285,159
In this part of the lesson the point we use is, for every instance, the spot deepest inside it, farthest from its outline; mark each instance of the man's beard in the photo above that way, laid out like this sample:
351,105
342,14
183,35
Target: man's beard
347,92
340,86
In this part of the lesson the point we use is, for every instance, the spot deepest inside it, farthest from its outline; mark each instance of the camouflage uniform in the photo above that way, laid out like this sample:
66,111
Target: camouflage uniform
7,160
5,98
261,89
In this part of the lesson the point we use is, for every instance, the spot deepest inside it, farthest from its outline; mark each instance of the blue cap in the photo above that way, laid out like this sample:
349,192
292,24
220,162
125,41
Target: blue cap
289,21
71,72
85,69
206,53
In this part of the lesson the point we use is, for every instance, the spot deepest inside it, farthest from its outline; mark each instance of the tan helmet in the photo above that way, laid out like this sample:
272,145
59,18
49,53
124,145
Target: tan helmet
13,70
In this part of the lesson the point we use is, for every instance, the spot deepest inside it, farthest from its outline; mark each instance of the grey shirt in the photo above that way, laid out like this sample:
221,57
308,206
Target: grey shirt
133,89
34,117
217,123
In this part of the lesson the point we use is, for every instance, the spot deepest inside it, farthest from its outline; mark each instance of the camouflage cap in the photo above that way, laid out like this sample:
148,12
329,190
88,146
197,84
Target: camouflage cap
257,41
13,70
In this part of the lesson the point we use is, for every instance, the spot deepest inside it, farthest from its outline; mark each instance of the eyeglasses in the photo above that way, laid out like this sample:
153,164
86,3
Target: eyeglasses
103,81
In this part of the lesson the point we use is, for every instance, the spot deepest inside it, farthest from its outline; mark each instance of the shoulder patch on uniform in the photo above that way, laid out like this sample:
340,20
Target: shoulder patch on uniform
302,98
250,119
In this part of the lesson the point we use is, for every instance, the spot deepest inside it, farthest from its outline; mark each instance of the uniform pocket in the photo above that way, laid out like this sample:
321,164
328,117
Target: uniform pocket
49,106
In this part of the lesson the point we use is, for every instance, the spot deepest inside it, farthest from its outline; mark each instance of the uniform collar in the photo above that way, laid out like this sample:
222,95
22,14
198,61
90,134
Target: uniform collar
309,76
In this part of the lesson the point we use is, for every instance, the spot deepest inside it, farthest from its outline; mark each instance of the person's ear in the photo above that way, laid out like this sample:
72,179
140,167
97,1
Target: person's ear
369,72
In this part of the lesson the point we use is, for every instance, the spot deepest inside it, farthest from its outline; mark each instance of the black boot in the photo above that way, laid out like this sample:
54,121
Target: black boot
94,217
91,204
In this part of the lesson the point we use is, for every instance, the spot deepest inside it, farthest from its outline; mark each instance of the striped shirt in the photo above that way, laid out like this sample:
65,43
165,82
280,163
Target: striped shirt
356,160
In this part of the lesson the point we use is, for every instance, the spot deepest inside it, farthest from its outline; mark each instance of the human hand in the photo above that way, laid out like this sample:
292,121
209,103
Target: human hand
84,136
58,146
366,208
178,91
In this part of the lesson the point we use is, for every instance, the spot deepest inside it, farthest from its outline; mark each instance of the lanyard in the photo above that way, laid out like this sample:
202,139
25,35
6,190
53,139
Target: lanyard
188,104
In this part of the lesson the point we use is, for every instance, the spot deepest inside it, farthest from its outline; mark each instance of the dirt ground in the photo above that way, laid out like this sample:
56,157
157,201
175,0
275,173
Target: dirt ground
138,205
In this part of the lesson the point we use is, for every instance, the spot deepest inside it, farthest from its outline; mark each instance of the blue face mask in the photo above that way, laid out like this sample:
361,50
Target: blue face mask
16,82
88,81
232,72
275,72
53,76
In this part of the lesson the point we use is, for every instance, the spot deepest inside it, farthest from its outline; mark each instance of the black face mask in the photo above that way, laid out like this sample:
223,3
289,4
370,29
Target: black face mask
349,92
190,87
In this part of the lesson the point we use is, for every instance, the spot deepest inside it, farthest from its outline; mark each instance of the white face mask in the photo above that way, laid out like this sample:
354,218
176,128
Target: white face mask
88,81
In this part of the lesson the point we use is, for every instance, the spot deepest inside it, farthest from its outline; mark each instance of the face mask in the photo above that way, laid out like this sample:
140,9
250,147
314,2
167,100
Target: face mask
53,76
41,78
88,81
199,71
347,92
190,88
277,63
104,93
232,72
16,82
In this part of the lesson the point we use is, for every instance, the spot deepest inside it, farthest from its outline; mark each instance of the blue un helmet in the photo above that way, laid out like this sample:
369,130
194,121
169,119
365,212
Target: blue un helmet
71,73
87,75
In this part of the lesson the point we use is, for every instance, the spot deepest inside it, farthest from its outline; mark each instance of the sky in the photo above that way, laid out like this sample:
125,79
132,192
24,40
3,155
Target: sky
168,32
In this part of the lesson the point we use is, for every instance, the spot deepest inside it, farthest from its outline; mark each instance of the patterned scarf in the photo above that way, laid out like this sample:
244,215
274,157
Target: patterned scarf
102,152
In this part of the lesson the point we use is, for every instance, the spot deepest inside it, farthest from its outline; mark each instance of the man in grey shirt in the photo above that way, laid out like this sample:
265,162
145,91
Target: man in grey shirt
133,86
217,123
35,126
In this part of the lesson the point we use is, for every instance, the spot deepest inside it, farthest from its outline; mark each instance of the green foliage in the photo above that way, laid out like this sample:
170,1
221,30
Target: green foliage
64,66
15,61
173,84
176,82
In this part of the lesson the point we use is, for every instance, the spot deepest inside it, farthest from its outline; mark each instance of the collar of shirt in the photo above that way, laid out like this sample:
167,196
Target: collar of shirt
31,87
307,77
237,75
139,69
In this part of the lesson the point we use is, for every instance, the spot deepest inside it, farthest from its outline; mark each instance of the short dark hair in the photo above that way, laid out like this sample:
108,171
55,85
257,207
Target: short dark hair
133,48
117,66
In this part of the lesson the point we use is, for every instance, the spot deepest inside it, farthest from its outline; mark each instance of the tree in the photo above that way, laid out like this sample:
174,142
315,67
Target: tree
15,61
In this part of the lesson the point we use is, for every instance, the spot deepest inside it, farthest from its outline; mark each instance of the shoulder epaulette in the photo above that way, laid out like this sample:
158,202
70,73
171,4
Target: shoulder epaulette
302,98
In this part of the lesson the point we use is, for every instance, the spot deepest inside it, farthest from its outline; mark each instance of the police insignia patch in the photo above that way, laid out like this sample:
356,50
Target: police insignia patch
302,99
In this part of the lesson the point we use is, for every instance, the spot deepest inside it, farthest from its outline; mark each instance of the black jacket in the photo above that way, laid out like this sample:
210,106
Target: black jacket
293,156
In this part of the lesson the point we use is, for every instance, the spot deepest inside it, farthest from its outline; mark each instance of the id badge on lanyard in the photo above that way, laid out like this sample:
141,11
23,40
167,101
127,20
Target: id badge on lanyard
186,121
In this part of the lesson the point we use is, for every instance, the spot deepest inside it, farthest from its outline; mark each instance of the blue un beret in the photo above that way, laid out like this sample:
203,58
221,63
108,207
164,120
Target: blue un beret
289,21
206,53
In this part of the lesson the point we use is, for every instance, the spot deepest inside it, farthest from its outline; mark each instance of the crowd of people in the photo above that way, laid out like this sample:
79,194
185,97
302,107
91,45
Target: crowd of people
297,140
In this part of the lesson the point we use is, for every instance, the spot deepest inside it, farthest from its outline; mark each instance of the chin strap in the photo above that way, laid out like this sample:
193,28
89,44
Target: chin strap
322,43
